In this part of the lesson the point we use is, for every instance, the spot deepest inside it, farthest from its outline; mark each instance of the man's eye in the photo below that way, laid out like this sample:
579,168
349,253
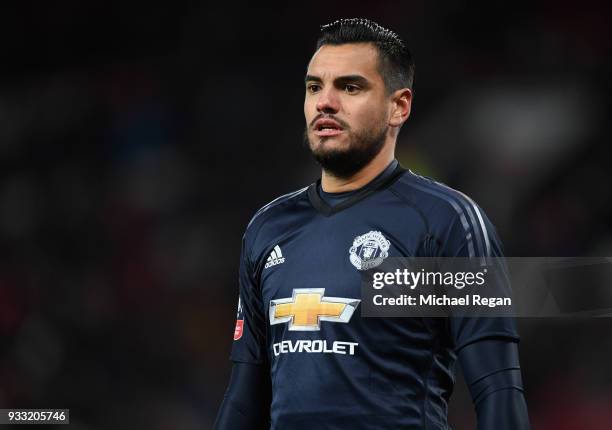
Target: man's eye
350,88
313,88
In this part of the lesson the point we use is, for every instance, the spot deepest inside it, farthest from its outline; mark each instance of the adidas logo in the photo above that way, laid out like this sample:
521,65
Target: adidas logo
275,257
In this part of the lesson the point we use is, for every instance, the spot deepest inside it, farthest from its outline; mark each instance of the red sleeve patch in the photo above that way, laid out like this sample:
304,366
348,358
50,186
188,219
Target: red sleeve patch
238,329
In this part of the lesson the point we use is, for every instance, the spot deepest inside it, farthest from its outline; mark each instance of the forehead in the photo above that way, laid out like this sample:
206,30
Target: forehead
348,59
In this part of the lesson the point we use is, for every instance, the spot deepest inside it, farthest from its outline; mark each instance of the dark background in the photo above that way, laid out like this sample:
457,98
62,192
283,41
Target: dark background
137,140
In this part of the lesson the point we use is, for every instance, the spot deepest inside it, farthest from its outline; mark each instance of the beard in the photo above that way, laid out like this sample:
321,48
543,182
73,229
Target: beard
344,163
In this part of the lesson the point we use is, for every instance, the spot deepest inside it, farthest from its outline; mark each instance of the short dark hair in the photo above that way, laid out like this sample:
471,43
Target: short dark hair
396,64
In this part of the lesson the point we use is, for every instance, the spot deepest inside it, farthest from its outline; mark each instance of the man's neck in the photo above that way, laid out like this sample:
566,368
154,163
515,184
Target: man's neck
332,184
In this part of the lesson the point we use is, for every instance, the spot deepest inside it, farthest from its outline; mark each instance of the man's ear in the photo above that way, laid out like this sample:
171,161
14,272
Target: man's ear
402,102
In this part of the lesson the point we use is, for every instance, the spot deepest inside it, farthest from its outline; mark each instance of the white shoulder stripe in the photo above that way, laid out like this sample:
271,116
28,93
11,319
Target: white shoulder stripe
276,200
460,212
485,232
469,209
473,206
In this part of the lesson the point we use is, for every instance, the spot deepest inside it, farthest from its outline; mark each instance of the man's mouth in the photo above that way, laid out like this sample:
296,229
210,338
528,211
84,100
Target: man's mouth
327,127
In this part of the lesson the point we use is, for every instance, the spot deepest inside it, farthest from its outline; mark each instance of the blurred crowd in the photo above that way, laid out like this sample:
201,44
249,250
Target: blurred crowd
136,141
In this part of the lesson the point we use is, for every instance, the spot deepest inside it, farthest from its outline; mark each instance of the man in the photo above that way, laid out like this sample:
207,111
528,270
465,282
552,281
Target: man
303,356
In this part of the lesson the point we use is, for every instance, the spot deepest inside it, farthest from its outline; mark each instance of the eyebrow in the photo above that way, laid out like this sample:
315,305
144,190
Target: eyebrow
347,79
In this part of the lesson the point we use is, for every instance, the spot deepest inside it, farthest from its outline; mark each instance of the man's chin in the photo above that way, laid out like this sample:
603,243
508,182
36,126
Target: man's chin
329,143
331,151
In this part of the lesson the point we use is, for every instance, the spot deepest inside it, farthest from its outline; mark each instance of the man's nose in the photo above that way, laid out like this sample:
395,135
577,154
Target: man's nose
328,101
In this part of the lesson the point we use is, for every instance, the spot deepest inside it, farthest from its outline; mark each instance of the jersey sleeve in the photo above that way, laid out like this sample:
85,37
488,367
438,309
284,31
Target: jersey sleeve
472,236
249,344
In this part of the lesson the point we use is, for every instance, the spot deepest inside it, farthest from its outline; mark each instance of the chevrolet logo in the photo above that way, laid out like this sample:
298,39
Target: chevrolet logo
308,307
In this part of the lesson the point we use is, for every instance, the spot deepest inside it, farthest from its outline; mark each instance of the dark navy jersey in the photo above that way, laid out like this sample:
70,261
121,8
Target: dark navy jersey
300,288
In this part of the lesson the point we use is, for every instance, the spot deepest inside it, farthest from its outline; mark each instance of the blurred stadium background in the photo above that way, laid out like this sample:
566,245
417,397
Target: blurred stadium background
137,140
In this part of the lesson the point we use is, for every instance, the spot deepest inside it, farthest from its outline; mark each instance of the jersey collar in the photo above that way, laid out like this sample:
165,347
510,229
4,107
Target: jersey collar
393,171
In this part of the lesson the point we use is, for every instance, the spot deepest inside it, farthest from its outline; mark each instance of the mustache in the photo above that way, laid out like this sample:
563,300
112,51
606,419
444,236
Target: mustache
343,124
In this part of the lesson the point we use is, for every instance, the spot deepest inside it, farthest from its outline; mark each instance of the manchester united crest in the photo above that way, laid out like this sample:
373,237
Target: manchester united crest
369,250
